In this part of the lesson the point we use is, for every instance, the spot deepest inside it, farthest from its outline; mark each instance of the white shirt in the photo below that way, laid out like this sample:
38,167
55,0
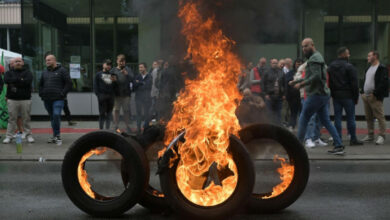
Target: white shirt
369,84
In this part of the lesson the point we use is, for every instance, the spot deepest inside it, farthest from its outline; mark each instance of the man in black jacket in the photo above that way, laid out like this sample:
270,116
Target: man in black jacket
54,85
375,89
103,88
274,89
18,80
143,100
344,89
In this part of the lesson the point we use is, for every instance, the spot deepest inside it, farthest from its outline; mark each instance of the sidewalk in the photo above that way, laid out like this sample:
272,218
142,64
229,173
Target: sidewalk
41,131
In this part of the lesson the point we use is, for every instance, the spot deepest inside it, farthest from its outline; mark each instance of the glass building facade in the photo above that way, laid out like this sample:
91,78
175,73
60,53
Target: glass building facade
88,31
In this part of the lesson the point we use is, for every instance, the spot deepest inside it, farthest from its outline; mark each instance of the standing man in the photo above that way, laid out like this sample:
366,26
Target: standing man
317,95
143,86
376,82
155,74
256,75
288,65
18,80
103,88
274,89
54,85
344,88
122,86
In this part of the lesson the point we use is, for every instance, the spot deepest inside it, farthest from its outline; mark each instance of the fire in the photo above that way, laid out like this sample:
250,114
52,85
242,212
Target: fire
82,174
286,172
206,109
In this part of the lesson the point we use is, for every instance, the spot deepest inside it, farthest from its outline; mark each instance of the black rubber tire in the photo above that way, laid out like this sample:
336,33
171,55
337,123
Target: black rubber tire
134,158
154,203
298,157
185,208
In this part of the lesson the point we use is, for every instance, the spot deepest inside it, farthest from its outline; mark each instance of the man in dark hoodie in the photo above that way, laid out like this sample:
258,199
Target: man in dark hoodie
318,95
104,90
54,85
344,88
143,100
18,80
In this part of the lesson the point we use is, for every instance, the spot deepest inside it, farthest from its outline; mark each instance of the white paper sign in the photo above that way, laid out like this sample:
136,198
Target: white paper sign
74,69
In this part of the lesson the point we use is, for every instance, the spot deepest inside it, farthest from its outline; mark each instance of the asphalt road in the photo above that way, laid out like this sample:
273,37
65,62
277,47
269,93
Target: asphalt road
353,189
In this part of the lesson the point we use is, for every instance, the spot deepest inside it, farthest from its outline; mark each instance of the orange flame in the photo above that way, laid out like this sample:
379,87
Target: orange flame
286,172
206,109
82,174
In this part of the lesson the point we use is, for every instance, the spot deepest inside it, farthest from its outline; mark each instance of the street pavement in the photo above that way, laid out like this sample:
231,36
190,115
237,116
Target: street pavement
353,186
337,189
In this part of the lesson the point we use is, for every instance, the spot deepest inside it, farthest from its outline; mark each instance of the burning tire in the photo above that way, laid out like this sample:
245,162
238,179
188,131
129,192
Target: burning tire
184,207
152,199
266,203
92,202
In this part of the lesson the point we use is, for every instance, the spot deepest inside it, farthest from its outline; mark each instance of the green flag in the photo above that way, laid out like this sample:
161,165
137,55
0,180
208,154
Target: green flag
3,103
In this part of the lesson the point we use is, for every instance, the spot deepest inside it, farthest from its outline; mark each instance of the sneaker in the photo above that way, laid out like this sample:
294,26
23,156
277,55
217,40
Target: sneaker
71,123
380,140
320,143
355,142
368,138
309,143
337,151
330,139
23,135
7,140
57,140
291,129
30,139
50,140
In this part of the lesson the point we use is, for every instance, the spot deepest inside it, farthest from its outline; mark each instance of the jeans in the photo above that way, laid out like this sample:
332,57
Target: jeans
317,104
349,106
54,108
275,108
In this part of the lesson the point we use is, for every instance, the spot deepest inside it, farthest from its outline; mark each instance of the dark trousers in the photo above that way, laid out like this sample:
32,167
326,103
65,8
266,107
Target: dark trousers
275,108
68,116
143,111
106,104
295,108
349,106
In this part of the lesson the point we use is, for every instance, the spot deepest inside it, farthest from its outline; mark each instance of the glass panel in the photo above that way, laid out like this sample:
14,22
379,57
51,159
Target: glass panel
342,23
116,31
61,27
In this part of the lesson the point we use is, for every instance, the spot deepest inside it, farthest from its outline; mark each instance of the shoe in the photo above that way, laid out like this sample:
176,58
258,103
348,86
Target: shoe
50,140
23,135
368,138
30,139
330,139
380,140
309,143
57,140
355,142
337,151
7,140
71,123
291,129
320,143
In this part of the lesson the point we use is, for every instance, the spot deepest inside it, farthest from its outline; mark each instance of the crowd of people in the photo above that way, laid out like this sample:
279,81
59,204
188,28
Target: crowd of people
295,94
303,90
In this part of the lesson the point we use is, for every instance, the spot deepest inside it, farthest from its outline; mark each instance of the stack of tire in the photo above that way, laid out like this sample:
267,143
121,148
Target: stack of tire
138,190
